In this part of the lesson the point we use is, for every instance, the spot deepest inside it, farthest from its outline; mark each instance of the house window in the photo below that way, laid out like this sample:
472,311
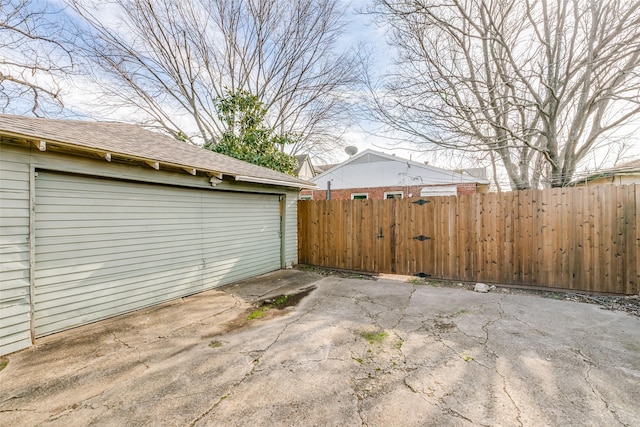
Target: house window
305,198
393,195
359,196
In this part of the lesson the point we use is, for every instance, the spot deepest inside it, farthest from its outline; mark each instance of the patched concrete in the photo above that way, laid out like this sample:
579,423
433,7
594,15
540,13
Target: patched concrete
352,352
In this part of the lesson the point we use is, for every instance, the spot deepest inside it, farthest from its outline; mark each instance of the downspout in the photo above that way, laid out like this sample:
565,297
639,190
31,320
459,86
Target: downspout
328,190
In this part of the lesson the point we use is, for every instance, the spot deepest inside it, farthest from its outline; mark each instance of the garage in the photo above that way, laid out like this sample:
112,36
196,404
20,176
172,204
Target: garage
105,247
100,219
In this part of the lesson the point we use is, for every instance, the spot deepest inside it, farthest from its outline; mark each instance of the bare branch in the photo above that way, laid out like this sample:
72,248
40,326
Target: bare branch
35,55
168,60
538,83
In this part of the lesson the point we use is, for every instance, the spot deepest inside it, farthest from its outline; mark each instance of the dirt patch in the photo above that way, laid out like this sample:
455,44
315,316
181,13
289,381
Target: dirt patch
266,308
345,274
290,300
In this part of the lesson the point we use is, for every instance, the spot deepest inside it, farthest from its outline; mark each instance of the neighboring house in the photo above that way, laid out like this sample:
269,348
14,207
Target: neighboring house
305,169
100,219
323,168
626,173
375,175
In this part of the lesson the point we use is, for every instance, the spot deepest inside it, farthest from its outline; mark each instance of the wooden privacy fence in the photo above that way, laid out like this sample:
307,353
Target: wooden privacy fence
585,238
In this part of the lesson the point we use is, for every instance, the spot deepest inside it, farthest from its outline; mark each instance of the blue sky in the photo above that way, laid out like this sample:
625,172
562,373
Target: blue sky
365,134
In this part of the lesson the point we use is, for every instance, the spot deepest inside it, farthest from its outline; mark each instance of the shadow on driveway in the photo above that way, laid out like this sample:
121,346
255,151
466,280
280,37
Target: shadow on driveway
352,352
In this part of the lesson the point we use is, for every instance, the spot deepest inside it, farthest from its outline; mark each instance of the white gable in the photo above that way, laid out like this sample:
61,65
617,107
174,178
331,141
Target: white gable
373,169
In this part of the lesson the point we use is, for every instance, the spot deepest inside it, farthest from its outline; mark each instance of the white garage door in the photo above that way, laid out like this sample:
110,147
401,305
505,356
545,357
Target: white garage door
106,247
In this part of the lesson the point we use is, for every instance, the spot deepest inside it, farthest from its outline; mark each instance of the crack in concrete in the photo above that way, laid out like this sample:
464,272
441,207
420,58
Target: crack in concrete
18,410
403,310
307,362
511,399
410,387
12,398
118,340
485,327
367,312
358,384
254,368
457,414
237,300
587,378
541,332
358,404
496,370
485,346
68,410
441,405
203,322
397,367
254,362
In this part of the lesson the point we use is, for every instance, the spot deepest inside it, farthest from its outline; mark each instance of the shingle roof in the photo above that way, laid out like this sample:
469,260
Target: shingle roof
627,168
632,166
131,141
324,168
441,176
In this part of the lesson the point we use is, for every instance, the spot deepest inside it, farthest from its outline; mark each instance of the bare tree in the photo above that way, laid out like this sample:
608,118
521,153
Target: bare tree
540,84
169,60
34,57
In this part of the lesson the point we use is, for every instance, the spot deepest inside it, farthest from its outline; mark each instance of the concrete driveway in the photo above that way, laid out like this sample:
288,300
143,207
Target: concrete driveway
352,352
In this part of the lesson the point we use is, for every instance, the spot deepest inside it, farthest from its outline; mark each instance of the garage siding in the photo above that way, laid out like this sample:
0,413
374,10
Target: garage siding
240,237
15,305
105,247
291,229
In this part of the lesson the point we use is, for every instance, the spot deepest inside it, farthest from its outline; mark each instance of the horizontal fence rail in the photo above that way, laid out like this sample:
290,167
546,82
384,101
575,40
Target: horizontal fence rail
583,239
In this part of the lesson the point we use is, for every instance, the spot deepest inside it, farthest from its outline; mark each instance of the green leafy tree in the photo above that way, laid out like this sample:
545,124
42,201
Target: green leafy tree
247,137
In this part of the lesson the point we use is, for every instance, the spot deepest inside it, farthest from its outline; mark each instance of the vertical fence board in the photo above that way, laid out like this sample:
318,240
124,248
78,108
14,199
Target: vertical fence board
406,252
517,236
452,253
621,202
360,235
594,222
631,243
438,230
462,230
575,247
609,243
528,245
546,248
469,215
636,288
412,256
566,211
428,228
598,255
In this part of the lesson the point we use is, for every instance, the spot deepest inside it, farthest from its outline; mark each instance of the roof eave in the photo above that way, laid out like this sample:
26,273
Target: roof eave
256,180
188,168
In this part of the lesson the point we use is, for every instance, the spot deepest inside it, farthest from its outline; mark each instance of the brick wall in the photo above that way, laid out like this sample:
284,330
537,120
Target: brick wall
467,188
377,193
